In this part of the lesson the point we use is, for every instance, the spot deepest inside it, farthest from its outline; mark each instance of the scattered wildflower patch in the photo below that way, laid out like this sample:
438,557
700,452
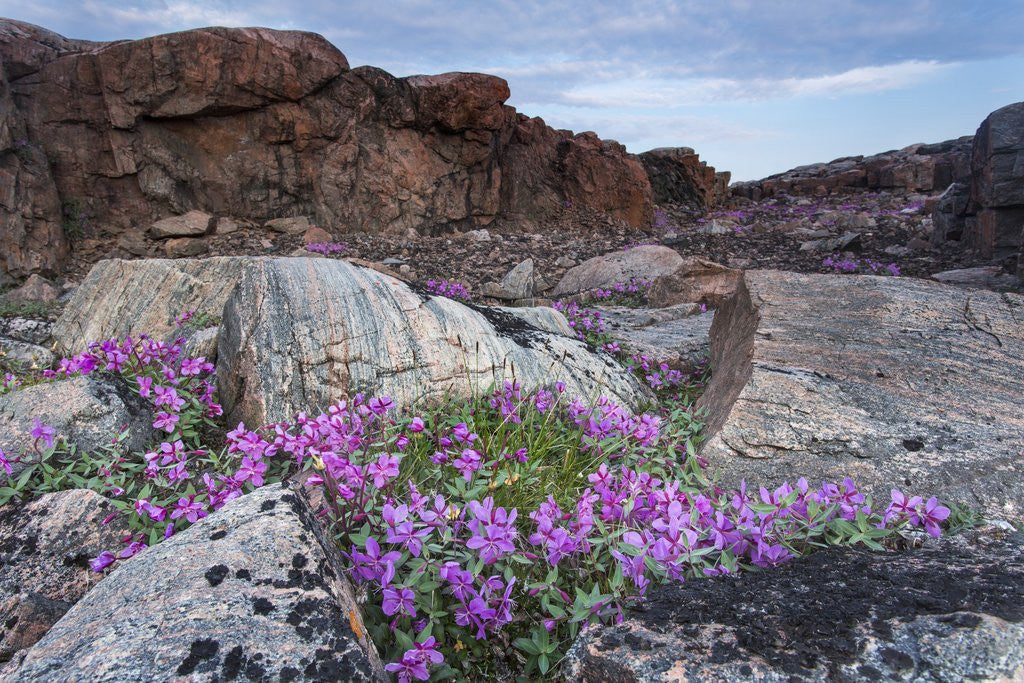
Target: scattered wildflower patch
450,289
588,324
839,264
632,292
327,248
482,535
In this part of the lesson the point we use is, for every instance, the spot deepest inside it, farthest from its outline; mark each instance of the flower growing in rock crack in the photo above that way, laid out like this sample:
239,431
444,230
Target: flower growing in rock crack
251,471
102,561
932,515
450,289
5,463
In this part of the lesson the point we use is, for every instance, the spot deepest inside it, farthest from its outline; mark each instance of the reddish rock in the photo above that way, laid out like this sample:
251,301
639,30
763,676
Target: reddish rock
917,168
256,124
35,288
697,281
315,235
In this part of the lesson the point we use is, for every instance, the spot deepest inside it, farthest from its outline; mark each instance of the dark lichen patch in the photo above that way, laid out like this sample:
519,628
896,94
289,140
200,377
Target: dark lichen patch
288,674
237,664
243,574
268,505
820,611
299,560
512,326
262,606
217,535
216,574
199,651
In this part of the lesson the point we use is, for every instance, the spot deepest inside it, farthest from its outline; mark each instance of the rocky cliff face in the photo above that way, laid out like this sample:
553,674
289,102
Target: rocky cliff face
917,168
259,124
678,176
986,209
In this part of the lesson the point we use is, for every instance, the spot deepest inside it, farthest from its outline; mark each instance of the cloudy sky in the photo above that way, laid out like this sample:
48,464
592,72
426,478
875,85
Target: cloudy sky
755,86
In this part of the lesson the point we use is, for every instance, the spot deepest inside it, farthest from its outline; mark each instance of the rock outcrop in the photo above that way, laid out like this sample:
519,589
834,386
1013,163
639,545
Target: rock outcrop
645,262
301,333
894,382
677,335
261,596
986,211
259,124
45,548
120,298
945,613
86,411
678,176
918,168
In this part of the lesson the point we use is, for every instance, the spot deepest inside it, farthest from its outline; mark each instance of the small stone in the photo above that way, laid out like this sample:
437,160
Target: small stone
295,225
35,288
315,235
190,224
133,242
226,226
183,247
481,235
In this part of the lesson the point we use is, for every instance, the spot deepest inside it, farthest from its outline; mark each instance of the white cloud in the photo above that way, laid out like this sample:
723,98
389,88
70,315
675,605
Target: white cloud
665,92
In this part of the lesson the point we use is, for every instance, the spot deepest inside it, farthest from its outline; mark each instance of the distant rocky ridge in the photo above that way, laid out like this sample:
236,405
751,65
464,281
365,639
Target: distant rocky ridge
974,185
923,168
260,124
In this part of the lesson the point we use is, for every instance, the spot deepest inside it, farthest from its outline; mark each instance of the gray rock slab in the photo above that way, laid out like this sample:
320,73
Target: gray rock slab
121,297
252,592
950,612
891,381
86,411
45,547
648,262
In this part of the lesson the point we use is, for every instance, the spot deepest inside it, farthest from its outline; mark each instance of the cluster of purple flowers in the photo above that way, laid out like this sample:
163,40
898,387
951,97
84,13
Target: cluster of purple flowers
633,287
327,248
450,289
839,264
588,323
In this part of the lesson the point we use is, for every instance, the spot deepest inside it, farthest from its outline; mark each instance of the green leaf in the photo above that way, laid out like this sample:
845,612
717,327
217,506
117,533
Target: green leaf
526,645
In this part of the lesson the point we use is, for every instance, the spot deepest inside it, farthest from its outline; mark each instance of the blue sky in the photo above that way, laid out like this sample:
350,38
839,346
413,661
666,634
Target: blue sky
755,86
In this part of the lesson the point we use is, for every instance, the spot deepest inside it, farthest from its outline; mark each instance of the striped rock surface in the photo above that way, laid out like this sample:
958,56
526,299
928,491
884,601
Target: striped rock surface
120,297
894,382
302,333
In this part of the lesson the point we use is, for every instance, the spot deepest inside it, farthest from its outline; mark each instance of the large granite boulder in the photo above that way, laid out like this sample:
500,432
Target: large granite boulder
894,382
86,411
301,333
45,548
259,124
644,262
951,612
255,591
121,298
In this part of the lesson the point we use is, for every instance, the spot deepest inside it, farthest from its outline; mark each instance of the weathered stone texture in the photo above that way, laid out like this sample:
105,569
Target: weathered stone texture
949,612
301,333
891,381
120,297
45,548
253,591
